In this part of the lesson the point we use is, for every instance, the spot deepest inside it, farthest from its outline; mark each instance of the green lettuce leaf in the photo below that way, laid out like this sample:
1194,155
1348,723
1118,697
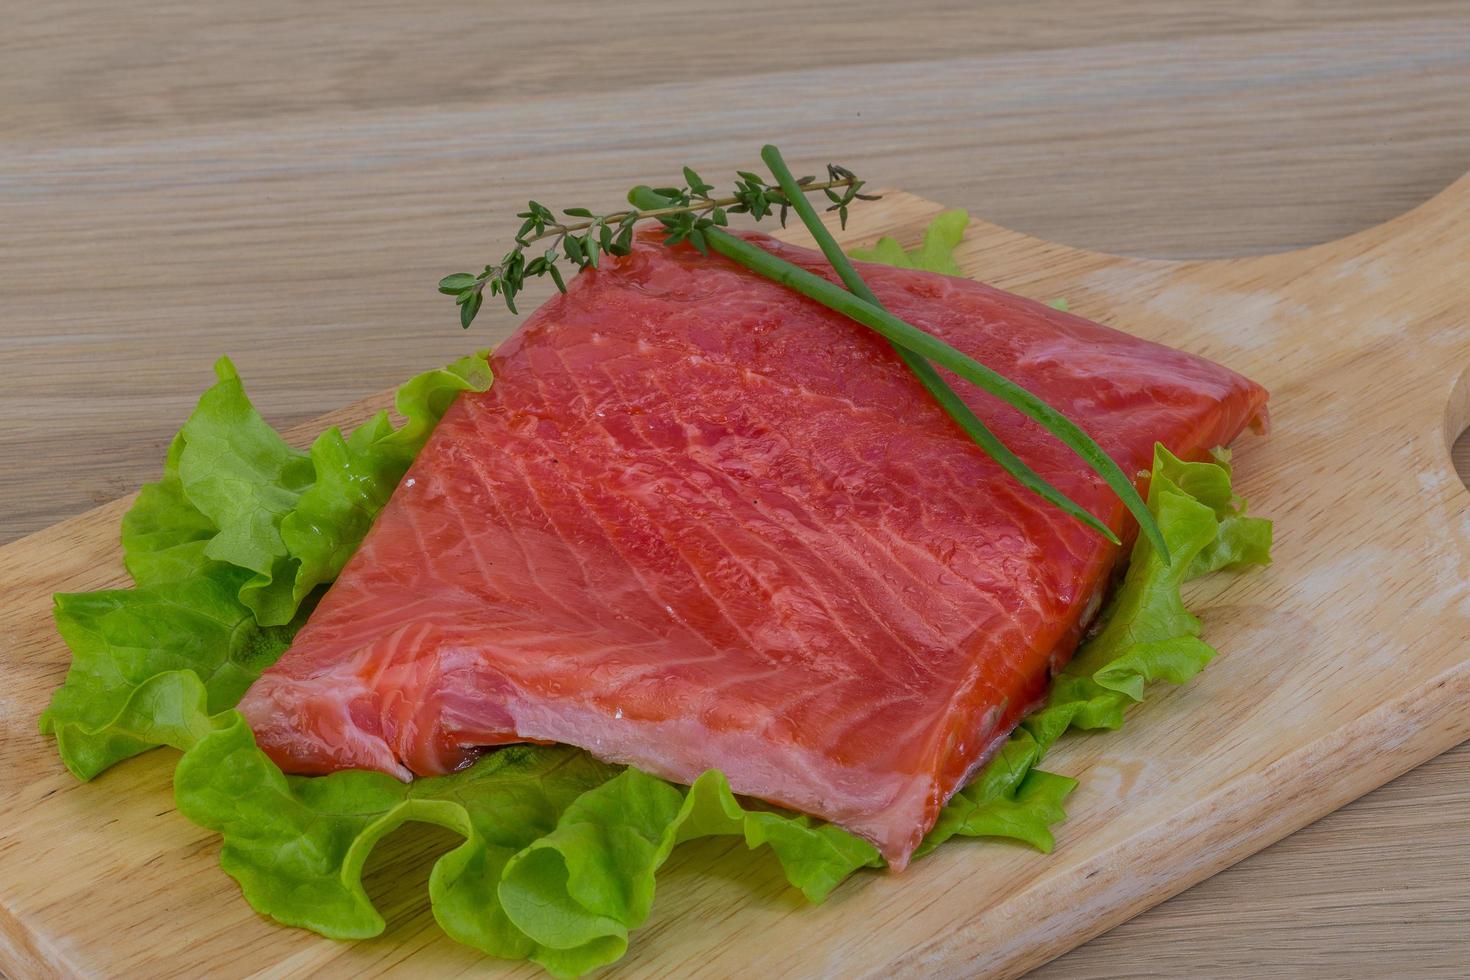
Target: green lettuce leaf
1243,541
1009,798
936,254
1147,636
559,851
234,492
226,549
163,534
298,845
579,890
356,475
150,665
243,477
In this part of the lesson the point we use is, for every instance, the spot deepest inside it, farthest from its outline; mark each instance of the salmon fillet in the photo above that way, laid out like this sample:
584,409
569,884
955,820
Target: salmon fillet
702,522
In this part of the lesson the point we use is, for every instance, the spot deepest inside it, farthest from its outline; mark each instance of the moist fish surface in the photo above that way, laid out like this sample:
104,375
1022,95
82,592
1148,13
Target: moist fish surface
701,522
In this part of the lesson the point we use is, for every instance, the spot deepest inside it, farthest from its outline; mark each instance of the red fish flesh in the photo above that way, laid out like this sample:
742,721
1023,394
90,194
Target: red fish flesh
702,522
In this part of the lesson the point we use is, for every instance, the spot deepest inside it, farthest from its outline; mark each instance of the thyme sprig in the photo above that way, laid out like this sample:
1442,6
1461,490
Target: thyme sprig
689,216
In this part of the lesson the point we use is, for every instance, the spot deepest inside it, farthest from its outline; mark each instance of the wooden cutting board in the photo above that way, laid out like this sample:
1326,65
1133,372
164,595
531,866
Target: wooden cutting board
1341,666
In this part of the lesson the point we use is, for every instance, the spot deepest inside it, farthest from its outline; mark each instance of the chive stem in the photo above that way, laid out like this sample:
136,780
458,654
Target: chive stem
940,389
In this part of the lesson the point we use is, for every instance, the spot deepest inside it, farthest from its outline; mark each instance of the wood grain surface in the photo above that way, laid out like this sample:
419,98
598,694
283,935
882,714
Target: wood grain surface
285,182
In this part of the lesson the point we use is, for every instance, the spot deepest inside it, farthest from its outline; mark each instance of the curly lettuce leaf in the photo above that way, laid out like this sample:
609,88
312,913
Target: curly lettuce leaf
579,890
297,845
144,659
163,534
1243,541
1147,636
226,549
559,852
941,238
356,475
244,478
234,492
1009,798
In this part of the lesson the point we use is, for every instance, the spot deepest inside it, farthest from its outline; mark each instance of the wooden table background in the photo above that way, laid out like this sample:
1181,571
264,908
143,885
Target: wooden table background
285,182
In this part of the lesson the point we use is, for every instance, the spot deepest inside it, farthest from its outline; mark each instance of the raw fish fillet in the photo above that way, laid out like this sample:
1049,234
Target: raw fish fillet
702,522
